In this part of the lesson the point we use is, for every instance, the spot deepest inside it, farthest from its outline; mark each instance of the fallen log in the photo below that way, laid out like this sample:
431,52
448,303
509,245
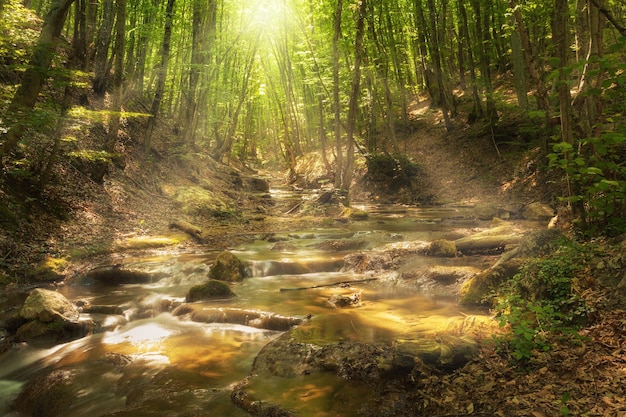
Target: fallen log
194,231
332,284
473,244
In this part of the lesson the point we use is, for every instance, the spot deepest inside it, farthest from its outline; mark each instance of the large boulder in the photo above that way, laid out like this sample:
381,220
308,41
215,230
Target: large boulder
227,267
48,306
50,318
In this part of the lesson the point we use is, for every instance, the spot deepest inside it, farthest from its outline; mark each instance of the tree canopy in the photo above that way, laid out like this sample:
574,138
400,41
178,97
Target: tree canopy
272,80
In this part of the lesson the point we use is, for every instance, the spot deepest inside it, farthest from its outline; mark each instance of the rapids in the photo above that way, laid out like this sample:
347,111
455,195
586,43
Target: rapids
146,361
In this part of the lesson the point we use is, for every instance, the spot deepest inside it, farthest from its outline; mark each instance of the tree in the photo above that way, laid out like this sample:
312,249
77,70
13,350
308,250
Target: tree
33,79
162,74
120,35
336,102
354,98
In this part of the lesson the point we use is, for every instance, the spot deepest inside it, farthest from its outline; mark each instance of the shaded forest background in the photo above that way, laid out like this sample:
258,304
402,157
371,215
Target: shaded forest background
264,83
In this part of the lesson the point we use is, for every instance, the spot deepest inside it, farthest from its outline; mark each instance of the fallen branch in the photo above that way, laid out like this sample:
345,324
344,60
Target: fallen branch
192,230
328,285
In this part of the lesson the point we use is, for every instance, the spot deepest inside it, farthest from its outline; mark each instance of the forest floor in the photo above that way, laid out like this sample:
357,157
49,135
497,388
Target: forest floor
587,378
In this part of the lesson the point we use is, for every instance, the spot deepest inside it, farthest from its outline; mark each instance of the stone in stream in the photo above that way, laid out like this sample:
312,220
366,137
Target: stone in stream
442,247
342,301
227,267
50,318
210,290
49,395
118,275
47,306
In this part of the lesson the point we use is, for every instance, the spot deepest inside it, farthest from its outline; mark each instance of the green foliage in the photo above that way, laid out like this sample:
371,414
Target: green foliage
19,29
541,304
393,172
596,170
595,167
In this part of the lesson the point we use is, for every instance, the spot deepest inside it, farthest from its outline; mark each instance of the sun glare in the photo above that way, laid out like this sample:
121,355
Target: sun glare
266,15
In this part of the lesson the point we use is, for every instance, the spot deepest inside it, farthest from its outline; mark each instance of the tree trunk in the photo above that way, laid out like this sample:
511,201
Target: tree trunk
586,106
477,110
160,89
541,92
103,41
32,81
120,36
482,27
226,145
79,41
354,98
519,74
559,34
437,66
336,101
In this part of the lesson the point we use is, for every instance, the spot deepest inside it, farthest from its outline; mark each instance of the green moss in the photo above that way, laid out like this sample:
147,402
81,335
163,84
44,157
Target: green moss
227,267
149,242
197,201
50,269
211,289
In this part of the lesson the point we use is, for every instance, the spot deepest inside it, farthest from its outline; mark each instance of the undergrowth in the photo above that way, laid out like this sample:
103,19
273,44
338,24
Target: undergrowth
544,303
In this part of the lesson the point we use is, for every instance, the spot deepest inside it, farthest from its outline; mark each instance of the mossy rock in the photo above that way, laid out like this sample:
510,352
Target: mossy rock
356,214
210,290
148,242
198,201
477,289
442,247
227,267
116,275
50,269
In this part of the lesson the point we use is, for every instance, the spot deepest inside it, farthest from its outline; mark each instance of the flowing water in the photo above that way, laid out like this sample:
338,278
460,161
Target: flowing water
156,363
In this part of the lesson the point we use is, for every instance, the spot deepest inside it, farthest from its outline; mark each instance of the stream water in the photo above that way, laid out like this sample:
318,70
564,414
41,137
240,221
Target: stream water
160,364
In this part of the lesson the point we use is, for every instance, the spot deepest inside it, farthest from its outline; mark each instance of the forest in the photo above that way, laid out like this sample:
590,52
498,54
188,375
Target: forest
135,127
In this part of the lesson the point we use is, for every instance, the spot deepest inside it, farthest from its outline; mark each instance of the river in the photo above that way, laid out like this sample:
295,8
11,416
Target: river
147,361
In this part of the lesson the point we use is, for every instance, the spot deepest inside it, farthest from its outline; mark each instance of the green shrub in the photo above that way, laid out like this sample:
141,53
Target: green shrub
542,305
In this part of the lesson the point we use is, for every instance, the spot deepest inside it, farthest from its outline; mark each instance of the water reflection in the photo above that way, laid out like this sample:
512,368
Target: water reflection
159,364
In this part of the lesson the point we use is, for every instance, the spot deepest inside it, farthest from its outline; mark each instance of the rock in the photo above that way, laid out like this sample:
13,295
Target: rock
252,318
342,301
442,247
342,245
356,214
50,318
48,306
210,290
538,211
486,211
283,246
50,269
446,351
202,202
117,275
227,267
50,395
